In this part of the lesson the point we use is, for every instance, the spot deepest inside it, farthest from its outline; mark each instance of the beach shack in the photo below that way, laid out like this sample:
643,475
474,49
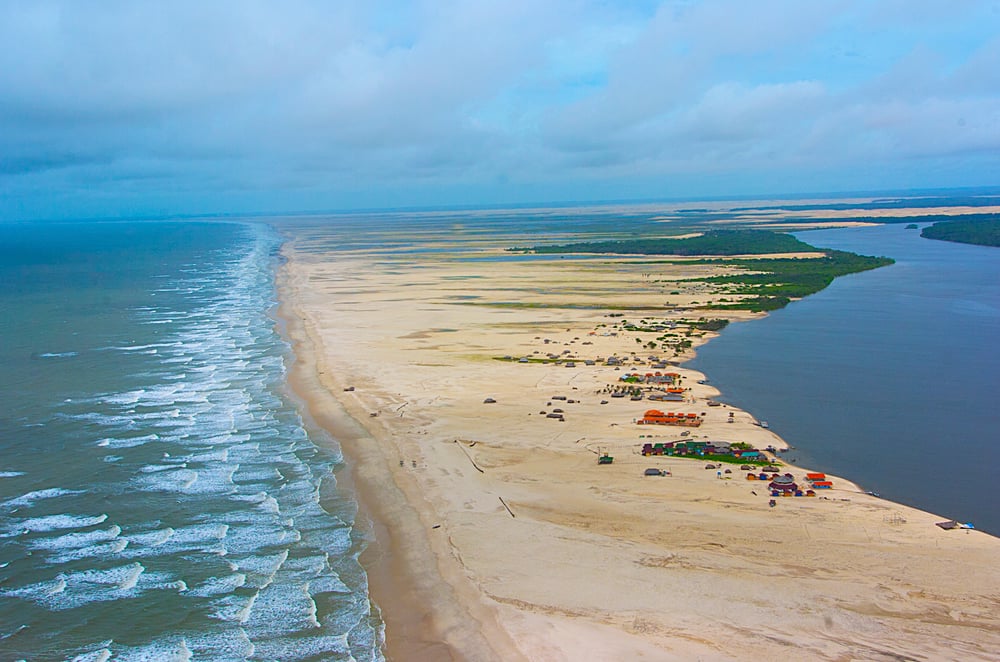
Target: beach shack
818,481
657,417
783,485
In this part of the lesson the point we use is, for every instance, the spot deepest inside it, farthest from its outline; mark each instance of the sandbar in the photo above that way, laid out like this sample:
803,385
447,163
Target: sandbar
497,535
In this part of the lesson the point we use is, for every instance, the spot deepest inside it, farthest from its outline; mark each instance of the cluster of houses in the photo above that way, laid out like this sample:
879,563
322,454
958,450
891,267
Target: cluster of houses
656,378
699,448
657,417
785,485
670,395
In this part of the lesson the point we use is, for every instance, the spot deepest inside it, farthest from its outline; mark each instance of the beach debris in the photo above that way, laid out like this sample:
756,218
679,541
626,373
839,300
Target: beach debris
506,506
489,401
952,524
349,389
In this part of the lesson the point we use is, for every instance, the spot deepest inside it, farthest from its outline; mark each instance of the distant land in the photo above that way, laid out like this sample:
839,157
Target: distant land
759,284
981,231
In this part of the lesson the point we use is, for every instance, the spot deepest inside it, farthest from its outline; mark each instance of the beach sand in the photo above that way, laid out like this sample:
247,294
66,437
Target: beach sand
497,536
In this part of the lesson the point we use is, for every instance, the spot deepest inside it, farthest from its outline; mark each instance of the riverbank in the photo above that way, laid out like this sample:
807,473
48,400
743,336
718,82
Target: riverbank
875,338
498,535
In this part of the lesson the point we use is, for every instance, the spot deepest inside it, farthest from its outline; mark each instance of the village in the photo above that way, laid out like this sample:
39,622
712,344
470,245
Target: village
653,378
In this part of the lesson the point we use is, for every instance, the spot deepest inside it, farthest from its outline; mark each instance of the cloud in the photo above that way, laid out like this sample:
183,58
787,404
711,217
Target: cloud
358,102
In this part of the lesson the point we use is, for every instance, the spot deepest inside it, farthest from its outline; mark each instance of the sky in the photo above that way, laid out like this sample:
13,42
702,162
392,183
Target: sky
160,108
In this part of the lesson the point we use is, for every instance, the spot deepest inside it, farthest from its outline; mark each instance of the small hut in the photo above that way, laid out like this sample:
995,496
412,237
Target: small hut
783,484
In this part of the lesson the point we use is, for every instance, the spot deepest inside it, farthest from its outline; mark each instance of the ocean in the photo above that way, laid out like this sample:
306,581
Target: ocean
161,497
888,377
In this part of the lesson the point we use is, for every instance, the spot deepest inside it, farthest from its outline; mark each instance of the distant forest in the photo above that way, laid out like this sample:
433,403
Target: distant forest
900,203
713,242
775,282
766,284
980,232
927,218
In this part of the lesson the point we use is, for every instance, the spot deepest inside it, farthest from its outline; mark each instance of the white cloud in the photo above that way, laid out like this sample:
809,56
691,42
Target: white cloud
447,95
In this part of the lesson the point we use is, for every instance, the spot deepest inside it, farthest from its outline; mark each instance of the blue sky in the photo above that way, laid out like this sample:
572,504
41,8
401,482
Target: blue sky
141,108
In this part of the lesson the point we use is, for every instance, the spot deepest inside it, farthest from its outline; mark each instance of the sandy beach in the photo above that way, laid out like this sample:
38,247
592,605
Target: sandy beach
499,536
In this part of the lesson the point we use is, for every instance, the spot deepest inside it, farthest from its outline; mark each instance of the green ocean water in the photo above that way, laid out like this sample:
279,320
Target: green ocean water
160,496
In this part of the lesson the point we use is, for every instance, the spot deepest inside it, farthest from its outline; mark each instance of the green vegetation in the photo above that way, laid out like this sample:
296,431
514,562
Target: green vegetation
754,304
981,232
927,218
716,324
897,203
774,282
712,242
727,459
764,284
515,359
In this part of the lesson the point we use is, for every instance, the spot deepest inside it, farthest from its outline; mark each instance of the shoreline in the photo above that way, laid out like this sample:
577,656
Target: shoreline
402,564
434,604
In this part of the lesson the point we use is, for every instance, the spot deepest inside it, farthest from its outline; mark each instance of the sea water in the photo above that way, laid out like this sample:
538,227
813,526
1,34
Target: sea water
160,495
888,377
